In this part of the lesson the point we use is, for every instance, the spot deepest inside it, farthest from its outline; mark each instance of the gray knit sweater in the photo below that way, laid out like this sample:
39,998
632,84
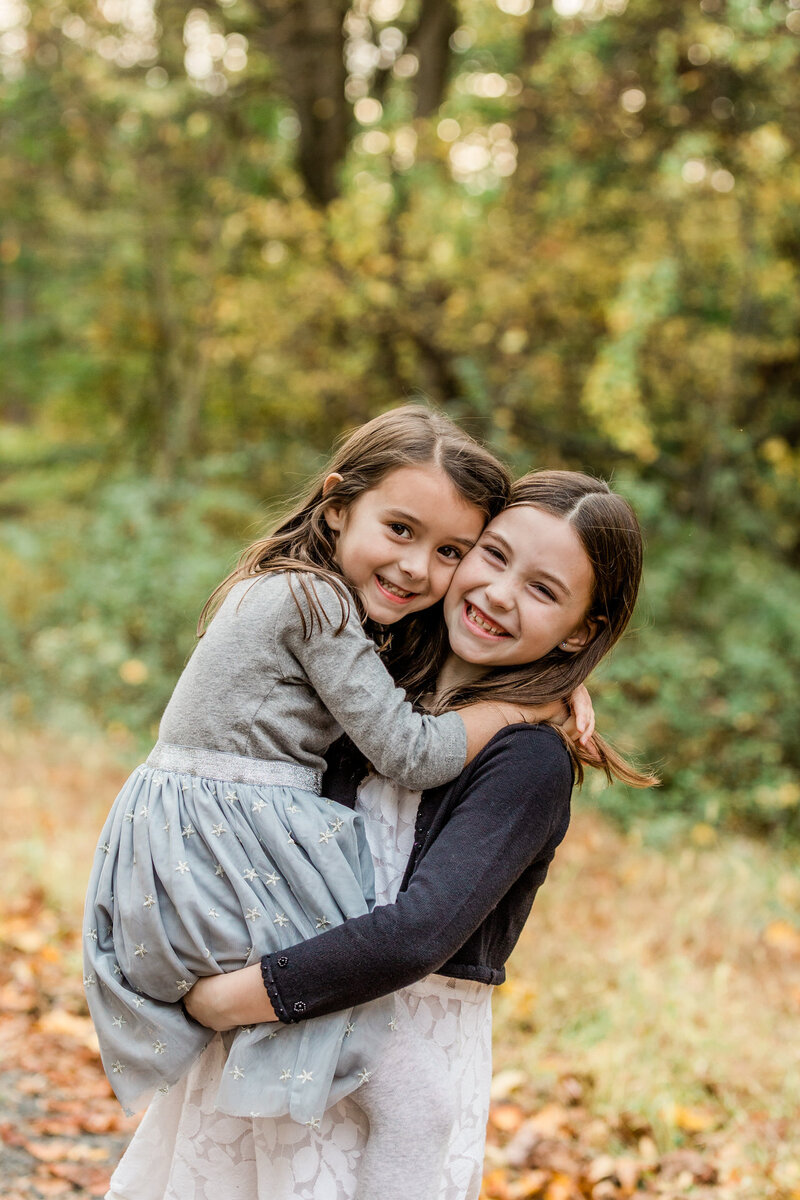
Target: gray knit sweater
255,686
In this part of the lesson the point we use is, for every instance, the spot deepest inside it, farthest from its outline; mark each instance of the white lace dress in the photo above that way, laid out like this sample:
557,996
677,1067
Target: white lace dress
185,1150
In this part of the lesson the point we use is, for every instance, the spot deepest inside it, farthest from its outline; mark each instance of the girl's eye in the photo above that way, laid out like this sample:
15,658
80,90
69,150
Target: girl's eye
543,591
400,529
493,552
451,553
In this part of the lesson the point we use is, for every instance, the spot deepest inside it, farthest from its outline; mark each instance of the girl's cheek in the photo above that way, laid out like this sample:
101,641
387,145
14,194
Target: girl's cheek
463,568
444,578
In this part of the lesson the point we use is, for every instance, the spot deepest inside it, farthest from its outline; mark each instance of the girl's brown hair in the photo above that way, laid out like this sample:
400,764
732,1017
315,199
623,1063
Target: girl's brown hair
610,534
407,436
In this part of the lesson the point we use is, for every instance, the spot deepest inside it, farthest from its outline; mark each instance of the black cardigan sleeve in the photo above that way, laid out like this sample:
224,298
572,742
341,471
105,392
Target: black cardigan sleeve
501,815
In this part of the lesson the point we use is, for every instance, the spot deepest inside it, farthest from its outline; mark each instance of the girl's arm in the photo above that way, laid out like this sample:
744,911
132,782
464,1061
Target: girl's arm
512,809
345,670
226,1001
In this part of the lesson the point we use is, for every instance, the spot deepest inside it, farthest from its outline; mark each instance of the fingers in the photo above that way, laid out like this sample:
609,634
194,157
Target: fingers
583,714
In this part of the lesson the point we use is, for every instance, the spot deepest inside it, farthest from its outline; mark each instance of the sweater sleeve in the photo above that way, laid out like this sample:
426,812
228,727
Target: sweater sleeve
345,670
517,791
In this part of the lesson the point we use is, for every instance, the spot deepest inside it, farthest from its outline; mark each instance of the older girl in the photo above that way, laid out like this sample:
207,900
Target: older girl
548,589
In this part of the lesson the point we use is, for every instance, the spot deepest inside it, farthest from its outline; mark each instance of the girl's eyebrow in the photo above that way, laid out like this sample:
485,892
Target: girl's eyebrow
556,582
498,537
554,579
397,514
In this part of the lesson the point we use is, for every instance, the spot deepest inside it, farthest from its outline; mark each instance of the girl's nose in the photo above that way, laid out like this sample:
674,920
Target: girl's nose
414,564
499,594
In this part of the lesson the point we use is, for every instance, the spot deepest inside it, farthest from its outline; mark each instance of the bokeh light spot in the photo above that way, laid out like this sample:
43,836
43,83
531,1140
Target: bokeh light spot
694,170
633,100
367,110
722,180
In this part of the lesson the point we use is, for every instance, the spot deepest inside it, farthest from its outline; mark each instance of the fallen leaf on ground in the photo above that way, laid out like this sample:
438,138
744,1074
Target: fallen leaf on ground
507,1117
677,1163
506,1082
691,1118
61,1022
781,935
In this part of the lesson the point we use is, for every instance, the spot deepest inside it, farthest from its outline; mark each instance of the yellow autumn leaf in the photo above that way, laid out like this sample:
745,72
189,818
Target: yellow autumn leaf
562,1187
782,935
690,1118
494,1186
59,1022
529,1185
506,1117
506,1082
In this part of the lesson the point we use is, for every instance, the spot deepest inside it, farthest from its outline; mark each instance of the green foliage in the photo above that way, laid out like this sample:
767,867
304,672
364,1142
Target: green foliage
111,596
587,252
709,680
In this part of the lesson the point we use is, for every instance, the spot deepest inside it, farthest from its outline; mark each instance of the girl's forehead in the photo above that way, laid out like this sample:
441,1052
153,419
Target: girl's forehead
533,535
419,482
426,491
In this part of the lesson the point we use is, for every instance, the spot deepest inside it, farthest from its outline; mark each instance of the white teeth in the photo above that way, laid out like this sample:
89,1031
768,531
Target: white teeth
396,591
475,616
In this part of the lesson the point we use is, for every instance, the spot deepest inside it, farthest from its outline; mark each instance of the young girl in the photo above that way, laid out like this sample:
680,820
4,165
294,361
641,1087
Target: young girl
220,848
532,609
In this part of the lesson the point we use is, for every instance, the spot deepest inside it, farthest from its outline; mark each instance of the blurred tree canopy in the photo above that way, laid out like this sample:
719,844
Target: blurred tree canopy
229,232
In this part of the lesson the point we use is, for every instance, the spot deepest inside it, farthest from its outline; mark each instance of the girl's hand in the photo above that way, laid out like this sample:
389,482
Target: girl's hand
575,718
226,1001
580,724
485,718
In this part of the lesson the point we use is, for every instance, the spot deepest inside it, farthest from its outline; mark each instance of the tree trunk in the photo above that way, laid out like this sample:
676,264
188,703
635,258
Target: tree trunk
438,20
305,41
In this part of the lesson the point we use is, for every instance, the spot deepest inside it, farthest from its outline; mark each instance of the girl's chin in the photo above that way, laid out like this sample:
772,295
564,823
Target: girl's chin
475,651
389,614
386,618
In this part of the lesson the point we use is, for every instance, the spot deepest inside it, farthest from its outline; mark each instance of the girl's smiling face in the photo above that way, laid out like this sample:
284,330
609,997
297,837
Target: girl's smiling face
524,589
400,542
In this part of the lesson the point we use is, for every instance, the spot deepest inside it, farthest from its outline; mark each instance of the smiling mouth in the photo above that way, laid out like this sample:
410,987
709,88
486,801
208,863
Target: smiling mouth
476,617
398,595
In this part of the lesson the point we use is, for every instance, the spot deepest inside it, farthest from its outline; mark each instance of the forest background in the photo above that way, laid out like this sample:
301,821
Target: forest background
231,232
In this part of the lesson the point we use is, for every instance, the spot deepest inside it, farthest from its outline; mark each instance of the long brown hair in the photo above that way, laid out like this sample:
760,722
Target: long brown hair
610,534
410,435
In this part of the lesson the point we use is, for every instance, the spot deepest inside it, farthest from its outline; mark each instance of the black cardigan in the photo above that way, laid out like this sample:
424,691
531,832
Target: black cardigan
482,847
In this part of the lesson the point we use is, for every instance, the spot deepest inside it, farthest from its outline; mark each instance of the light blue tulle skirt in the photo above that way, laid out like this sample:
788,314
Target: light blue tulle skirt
206,862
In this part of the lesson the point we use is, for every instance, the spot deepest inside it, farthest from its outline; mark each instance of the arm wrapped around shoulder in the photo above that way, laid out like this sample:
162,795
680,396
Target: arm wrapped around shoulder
345,670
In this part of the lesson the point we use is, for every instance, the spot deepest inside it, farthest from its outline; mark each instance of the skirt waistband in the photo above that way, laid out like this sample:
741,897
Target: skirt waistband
233,768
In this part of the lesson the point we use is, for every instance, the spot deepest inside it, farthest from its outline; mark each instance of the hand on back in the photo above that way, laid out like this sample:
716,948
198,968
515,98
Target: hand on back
486,718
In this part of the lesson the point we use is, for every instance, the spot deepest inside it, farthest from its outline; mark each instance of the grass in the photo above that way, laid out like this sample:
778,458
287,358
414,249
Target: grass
668,982
662,985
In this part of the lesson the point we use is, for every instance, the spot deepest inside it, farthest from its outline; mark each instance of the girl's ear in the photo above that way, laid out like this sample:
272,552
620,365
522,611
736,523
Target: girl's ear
334,513
585,633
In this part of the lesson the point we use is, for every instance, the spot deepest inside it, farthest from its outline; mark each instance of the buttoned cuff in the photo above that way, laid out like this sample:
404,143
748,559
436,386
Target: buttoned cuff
271,966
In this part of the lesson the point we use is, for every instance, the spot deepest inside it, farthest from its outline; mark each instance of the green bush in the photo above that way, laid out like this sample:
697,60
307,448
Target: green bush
111,596
707,686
